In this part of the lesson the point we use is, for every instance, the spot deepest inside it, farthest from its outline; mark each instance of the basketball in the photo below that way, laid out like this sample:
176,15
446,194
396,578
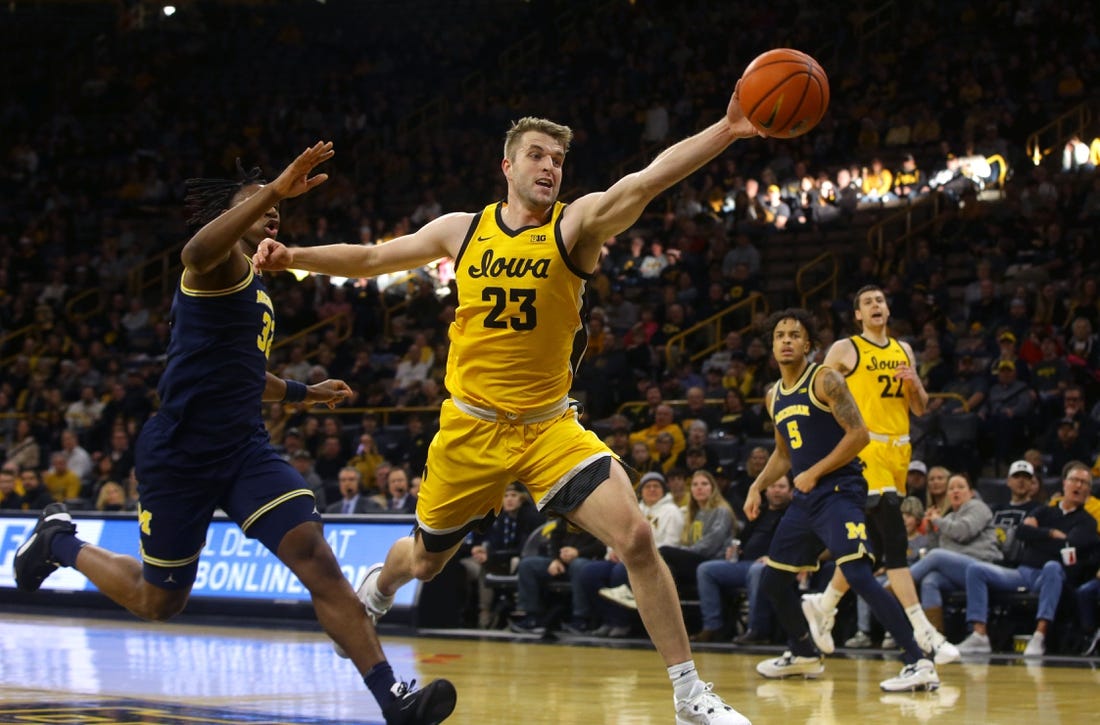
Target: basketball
784,92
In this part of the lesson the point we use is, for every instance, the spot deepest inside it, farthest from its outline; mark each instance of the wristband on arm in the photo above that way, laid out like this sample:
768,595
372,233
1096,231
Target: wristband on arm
295,391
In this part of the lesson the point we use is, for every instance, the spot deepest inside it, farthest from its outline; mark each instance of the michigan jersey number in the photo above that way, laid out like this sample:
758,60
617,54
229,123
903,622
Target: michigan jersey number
500,297
794,434
267,332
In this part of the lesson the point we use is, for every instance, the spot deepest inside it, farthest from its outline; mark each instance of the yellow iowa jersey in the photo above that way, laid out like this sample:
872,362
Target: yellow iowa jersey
518,318
880,397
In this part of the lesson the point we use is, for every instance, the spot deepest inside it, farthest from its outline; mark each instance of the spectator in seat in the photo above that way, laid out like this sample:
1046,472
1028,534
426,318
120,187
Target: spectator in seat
964,535
562,556
498,550
741,569
61,483
36,495
667,520
1006,413
1043,569
9,499
909,181
352,499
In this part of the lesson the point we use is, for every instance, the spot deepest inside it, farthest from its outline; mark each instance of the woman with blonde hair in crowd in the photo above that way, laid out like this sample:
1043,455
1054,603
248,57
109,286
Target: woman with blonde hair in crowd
708,525
111,497
935,496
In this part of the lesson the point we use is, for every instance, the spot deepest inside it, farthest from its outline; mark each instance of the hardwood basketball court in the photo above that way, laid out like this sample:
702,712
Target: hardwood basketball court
57,669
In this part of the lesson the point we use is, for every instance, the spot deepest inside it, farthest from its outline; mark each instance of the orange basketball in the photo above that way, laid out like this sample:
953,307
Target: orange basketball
784,92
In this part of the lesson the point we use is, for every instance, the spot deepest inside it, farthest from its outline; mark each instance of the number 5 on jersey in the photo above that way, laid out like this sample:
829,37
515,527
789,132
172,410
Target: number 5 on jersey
794,434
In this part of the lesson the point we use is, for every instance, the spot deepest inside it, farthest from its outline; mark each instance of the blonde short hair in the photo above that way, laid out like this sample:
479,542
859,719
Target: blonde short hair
561,134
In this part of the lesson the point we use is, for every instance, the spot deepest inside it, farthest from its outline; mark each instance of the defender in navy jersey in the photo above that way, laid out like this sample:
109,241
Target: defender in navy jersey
207,448
818,434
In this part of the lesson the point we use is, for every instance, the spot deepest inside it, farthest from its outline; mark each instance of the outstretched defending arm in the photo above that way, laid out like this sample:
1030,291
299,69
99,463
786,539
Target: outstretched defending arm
440,237
211,245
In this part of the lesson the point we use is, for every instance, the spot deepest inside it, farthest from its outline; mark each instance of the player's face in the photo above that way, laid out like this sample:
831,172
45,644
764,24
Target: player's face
266,226
790,345
535,172
873,311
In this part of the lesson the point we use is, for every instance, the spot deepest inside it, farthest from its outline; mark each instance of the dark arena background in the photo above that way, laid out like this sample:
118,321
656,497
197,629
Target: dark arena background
955,168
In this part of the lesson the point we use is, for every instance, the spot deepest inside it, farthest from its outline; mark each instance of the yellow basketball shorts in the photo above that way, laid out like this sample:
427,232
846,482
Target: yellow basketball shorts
472,460
887,466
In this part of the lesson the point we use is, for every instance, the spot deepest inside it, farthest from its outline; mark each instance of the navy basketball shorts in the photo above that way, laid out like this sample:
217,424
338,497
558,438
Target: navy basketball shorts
179,489
829,517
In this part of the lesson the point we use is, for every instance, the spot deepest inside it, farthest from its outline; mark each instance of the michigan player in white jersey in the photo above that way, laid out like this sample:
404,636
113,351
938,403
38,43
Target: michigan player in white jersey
521,266
882,376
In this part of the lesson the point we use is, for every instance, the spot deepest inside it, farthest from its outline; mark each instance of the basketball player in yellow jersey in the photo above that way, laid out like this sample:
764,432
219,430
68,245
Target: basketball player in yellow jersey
521,266
881,373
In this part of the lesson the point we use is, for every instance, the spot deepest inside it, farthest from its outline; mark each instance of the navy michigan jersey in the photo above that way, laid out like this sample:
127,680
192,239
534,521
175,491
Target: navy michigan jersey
213,384
808,426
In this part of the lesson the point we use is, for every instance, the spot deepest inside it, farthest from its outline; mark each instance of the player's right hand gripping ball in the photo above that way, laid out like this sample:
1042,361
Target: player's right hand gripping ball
784,93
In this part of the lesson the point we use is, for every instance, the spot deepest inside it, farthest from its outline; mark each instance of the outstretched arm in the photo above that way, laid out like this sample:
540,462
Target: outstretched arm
212,244
440,237
592,219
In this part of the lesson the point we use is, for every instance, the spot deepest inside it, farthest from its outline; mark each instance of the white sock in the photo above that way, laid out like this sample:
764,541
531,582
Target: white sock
683,678
830,598
917,618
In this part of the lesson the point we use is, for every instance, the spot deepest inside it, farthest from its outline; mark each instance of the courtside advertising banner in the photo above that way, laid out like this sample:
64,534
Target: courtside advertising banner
232,566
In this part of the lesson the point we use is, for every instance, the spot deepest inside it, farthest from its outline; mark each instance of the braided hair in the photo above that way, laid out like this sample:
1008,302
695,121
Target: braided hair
206,199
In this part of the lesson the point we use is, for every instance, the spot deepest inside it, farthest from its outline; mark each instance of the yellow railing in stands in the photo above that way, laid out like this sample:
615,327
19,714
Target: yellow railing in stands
909,222
829,262
391,311
77,311
161,268
340,322
8,338
951,396
385,414
718,325
632,405
1051,137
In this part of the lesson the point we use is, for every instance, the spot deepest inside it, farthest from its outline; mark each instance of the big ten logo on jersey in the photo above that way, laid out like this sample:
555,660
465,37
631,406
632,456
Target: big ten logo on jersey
538,238
267,331
856,531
